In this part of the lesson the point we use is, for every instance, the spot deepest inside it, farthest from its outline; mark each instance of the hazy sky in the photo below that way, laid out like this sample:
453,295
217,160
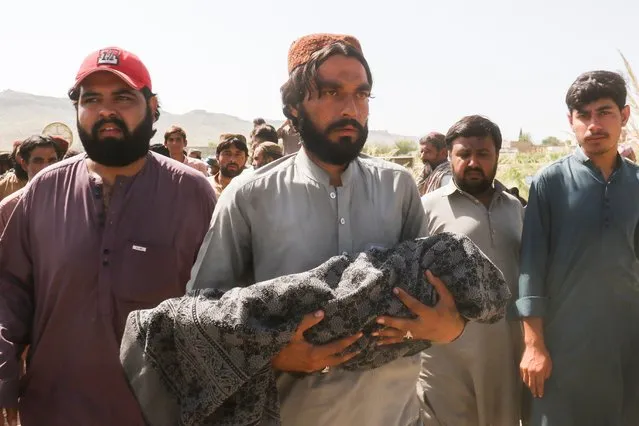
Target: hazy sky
432,62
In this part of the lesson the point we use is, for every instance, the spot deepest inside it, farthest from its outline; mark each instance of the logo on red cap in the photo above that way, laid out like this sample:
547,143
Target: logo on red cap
109,57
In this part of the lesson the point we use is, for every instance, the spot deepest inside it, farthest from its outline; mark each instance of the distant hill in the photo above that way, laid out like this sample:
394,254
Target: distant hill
24,114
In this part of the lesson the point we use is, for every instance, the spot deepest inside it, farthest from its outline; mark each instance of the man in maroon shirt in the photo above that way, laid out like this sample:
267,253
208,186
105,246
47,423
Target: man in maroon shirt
91,239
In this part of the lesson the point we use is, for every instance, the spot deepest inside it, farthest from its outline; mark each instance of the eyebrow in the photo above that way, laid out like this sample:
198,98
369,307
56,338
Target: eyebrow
600,109
604,108
124,91
324,84
89,94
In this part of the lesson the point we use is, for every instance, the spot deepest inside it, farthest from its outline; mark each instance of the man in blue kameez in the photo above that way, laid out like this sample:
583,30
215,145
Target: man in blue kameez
579,282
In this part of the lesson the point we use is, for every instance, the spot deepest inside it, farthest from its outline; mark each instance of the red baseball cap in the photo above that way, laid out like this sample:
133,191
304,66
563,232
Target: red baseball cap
118,61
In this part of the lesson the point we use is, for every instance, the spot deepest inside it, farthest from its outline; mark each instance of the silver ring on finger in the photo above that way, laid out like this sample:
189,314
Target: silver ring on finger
408,335
326,370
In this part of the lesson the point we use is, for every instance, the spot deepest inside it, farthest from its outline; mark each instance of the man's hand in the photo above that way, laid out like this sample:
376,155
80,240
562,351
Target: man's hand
9,417
535,368
301,356
440,324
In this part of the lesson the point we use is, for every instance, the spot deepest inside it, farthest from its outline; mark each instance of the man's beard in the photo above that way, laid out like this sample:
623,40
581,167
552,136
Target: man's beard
337,153
224,171
114,152
475,187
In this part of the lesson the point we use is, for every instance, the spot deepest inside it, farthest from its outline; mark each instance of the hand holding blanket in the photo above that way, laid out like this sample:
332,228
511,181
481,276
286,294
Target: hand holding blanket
204,359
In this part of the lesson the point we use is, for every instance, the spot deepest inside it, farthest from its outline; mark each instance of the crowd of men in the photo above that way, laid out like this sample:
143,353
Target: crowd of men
126,225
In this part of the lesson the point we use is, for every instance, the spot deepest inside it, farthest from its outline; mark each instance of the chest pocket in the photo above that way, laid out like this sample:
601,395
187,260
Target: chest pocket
145,275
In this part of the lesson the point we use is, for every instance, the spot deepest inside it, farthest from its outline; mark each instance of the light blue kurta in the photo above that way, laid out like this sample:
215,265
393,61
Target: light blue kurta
580,273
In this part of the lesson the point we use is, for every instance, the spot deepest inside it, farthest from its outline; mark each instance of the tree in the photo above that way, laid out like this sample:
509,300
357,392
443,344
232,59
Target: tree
552,141
525,137
405,147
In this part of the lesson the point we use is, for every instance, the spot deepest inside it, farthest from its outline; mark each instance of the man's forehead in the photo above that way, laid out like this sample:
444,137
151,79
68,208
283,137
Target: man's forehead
104,81
43,151
476,142
232,148
598,104
339,68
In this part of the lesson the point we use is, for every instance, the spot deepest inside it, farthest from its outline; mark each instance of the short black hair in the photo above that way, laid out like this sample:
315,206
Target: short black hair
474,126
227,143
595,85
37,141
303,78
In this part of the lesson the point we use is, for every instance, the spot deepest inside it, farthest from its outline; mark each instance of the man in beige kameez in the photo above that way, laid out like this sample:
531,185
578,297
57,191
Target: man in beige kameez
323,201
474,381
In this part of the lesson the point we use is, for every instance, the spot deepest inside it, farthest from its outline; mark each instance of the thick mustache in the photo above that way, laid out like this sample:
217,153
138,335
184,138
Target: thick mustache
118,123
345,123
480,171
598,135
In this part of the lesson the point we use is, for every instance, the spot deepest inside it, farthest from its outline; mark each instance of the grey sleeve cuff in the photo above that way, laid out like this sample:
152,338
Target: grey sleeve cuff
531,306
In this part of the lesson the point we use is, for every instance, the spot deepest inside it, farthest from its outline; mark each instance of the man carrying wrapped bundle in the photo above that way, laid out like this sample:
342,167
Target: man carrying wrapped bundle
288,218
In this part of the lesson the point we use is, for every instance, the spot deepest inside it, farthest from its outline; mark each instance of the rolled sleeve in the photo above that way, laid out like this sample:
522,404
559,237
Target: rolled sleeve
531,306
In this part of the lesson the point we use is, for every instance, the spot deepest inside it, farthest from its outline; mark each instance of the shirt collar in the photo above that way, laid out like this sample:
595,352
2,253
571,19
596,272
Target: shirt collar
580,155
314,172
452,188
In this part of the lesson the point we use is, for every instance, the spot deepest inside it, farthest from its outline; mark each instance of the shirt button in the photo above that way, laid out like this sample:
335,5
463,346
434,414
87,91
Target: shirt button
106,251
105,262
333,195
342,221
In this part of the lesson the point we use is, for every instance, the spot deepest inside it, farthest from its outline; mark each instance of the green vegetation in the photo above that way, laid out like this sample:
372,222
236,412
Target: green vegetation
405,147
513,169
401,147
525,137
552,141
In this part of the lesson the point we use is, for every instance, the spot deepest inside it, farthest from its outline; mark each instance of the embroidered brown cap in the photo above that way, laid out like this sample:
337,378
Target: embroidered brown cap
303,48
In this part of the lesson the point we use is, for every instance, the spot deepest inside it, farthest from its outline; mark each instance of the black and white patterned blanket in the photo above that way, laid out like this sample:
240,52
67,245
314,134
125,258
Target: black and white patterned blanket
204,359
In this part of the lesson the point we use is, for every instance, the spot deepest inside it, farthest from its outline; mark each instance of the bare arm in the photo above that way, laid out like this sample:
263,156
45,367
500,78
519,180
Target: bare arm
533,331
536,364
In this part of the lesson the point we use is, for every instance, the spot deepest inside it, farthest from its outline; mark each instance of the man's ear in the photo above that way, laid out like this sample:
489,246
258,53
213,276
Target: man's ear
294,112
625,115
153,105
